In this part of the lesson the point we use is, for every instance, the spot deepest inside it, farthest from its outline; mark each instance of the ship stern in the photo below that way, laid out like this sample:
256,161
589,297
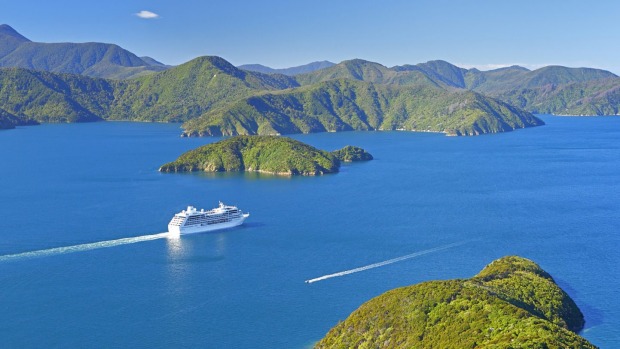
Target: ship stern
174,230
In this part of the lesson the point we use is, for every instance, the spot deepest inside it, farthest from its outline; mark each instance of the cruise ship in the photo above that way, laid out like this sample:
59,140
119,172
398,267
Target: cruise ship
191,220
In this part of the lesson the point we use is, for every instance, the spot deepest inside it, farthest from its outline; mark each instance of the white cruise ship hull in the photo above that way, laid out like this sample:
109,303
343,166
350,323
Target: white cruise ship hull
183,230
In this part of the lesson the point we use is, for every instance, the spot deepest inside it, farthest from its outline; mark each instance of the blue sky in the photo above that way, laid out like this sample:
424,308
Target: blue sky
280,34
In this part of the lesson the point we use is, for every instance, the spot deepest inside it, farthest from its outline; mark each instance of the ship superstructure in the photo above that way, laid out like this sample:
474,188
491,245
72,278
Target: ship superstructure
193,221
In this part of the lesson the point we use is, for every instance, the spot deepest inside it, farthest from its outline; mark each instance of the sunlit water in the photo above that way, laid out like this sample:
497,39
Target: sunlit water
429,207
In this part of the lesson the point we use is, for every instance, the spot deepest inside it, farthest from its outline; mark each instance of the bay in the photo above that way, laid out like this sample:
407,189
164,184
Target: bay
548,193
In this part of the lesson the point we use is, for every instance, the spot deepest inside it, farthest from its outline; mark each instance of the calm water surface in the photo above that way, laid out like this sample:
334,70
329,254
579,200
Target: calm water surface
548,193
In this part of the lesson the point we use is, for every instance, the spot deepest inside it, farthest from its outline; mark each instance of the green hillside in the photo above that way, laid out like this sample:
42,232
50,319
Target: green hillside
189,90
496,83
226,100
442,73
492,82
551,89
220,99
597,97
496,79
268,154
49,97
343,105
511,303
356,69
351,153
361,70
177,94
438,71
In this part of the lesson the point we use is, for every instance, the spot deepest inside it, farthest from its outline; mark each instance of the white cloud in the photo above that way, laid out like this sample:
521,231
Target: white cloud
147,14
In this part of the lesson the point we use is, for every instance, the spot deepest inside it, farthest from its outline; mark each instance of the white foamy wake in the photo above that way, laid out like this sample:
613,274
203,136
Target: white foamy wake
381,264
81,247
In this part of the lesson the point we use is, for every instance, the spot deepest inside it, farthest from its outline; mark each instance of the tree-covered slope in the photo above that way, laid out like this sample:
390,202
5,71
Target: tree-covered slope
213,88
190,89
512,303
270,154
596,97
352,153
90,59
355,69
496,79
343,104
220,99
494,83
438,71
551,89
177,94
361,70
49,97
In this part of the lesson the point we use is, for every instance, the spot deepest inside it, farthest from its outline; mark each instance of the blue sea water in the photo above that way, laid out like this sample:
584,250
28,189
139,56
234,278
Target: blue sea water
548,193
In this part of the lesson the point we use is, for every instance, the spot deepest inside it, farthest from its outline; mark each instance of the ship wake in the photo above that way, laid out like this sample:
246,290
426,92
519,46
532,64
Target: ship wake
384,263
81,247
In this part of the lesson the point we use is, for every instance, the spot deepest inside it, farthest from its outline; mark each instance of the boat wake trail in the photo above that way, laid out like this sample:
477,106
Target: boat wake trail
81,247
384,263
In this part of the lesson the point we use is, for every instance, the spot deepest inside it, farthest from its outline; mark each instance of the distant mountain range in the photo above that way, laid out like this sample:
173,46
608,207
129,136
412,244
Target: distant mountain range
90,59
552,89
216,98
213,97
292,71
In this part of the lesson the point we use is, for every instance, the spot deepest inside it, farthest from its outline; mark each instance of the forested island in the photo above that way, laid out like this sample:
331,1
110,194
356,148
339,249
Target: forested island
351,153
511,303
265,154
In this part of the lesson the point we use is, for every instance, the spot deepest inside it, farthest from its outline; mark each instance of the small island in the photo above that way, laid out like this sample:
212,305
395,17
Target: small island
511,303
351,153
265,154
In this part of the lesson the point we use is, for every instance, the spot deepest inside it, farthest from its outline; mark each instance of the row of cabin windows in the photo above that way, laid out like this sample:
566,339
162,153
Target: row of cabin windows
211,216
215,219
209,221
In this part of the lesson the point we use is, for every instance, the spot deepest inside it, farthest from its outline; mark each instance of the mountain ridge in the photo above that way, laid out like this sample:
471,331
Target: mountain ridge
291,71
90,58
177,94
226,100
553,89
521,87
